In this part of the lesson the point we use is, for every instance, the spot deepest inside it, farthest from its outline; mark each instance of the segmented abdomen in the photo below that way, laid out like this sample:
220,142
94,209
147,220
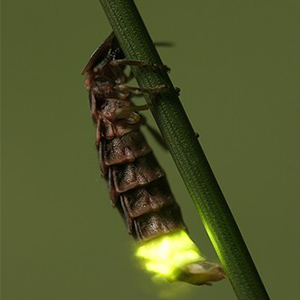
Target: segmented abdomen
137,184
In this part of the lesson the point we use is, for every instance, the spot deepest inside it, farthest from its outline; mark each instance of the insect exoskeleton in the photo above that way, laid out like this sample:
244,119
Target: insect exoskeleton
137,184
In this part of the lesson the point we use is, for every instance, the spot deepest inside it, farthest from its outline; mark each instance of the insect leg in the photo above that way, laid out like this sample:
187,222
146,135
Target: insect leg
139,63
157,136
126,111
137,91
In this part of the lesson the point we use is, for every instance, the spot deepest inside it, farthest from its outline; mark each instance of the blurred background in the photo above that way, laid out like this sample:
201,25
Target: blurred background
236,63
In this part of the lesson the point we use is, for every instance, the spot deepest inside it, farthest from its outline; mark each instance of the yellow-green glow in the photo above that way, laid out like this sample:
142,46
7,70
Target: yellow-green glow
167,254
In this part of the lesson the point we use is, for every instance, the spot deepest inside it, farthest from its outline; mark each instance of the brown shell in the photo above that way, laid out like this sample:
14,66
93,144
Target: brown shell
137,184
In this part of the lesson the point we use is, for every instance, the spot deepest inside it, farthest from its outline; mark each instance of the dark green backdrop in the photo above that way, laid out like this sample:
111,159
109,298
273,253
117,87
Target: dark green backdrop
236,63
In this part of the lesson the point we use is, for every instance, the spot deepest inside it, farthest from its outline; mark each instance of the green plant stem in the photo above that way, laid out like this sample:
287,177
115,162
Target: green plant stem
186,151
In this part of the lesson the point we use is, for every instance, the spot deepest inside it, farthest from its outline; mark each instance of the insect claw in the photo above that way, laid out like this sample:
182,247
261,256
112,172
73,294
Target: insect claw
177,90
168,70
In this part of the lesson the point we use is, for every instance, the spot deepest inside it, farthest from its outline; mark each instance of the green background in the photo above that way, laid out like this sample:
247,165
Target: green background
236,63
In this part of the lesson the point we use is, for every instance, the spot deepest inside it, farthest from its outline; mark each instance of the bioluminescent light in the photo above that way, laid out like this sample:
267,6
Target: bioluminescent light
175,257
